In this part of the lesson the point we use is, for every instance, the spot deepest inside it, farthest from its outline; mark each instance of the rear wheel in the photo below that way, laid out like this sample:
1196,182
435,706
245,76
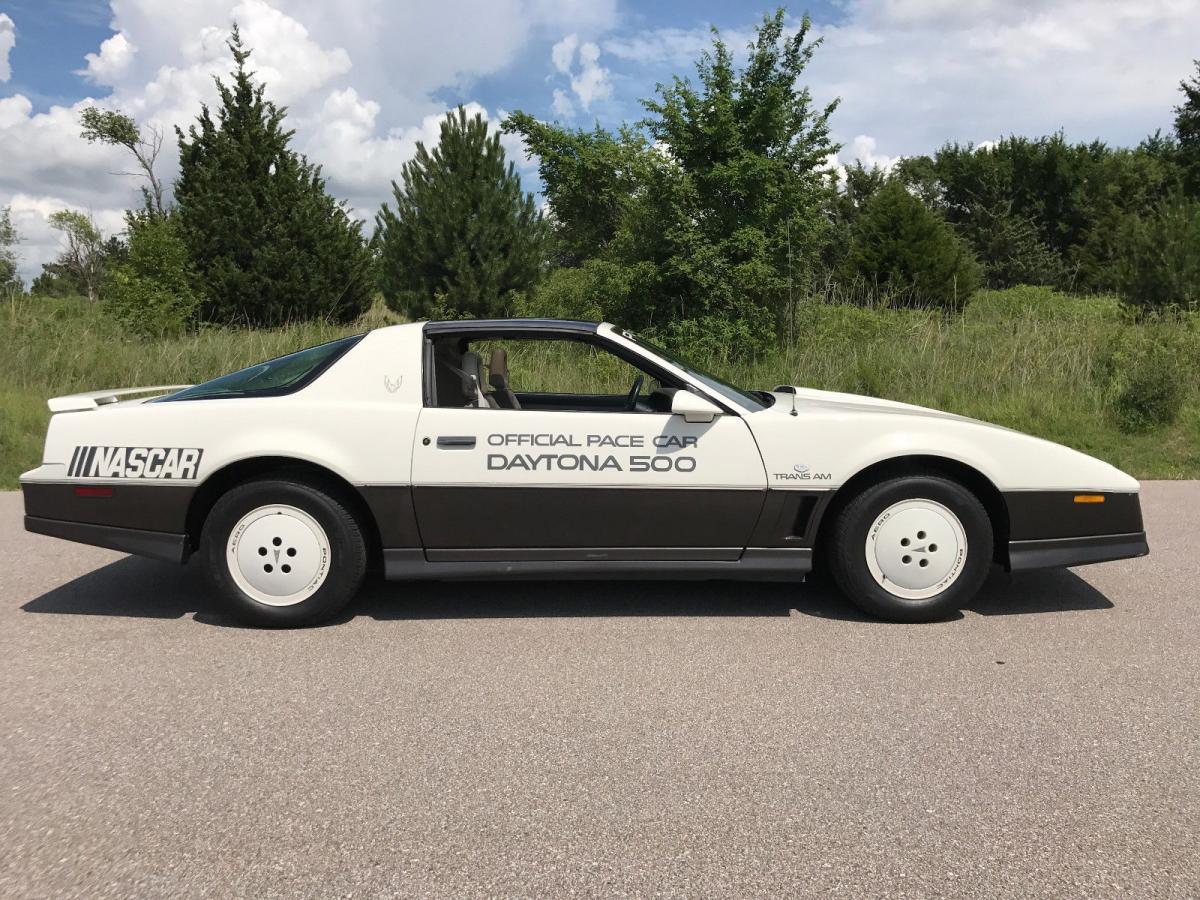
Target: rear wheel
911,549
283,553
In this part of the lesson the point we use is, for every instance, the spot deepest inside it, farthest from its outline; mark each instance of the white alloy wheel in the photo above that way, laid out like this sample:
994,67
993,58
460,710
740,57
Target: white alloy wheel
916,549
278,555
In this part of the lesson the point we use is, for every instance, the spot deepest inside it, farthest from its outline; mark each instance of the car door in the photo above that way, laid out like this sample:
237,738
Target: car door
555,484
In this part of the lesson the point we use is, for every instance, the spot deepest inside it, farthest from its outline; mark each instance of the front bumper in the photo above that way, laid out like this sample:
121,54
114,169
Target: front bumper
1050,528
1049,553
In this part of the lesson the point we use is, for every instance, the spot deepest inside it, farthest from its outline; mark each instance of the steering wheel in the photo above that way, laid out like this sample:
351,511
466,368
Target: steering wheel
631,400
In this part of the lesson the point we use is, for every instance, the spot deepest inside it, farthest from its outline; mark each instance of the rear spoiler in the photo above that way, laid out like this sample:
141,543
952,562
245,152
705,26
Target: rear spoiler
96,399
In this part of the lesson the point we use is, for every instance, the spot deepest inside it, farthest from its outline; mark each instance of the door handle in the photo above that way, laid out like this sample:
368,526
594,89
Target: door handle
456,442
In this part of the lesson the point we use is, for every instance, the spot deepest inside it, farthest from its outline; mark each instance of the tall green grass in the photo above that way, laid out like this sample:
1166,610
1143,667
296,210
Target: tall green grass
1028,358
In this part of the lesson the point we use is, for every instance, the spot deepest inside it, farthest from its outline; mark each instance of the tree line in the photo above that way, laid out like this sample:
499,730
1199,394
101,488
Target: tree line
711,220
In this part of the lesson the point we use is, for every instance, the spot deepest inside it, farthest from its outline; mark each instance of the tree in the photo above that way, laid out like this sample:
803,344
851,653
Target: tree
1070,194
83,256
10,281
119,130
268,243
1187,131
909,254
464,235
1010,248
1159,263
723,197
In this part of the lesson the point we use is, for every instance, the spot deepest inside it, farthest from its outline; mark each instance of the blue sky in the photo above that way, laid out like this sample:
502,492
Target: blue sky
366,79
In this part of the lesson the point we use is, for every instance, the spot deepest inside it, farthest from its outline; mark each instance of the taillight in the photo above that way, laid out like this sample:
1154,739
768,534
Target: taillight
93,492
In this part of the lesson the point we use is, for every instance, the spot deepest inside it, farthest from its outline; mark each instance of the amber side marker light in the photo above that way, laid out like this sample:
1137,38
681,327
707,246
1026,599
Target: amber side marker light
1089,498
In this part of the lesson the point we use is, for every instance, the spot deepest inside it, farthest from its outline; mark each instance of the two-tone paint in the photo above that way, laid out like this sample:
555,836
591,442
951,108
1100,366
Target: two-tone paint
714,488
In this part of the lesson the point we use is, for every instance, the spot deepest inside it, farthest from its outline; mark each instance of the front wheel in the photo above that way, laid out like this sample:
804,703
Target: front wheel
283,553
911,549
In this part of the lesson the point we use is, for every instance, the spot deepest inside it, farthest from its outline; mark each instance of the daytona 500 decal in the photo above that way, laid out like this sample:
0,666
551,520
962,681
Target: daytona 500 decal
135,462
661,445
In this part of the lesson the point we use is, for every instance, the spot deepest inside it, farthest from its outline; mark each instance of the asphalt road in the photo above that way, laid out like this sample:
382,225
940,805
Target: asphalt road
601,739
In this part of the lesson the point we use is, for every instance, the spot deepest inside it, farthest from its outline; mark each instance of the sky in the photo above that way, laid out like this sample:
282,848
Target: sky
365,80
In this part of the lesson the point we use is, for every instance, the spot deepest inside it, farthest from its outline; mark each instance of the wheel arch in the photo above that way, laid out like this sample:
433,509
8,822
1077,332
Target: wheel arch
260,467
923,464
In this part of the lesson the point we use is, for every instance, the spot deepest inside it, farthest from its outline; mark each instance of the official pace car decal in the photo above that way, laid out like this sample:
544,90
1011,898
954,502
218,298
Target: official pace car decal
544,455
135,462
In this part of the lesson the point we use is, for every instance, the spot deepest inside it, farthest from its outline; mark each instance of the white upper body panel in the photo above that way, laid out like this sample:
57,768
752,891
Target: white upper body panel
837,435
360,420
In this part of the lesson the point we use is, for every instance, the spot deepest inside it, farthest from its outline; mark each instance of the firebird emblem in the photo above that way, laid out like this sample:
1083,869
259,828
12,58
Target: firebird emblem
393,386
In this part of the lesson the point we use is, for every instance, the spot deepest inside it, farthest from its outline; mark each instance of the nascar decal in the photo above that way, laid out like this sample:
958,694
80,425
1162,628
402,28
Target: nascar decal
135,462
660,459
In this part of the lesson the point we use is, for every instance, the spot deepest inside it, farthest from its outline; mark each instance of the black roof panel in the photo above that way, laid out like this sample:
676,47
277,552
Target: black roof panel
511,326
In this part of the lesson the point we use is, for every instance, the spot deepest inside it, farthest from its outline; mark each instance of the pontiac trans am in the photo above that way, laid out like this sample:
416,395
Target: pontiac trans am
486,449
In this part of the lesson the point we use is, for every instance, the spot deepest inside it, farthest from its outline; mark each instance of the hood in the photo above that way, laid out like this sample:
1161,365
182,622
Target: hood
811,398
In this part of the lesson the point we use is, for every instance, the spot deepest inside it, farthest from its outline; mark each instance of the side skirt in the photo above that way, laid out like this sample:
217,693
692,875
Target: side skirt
767,564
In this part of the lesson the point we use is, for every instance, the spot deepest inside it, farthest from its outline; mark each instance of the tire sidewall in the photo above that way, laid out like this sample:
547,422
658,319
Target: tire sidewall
850,558
347,560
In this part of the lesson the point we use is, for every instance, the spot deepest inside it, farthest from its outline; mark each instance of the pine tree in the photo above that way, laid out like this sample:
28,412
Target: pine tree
909,254
269,245
463,236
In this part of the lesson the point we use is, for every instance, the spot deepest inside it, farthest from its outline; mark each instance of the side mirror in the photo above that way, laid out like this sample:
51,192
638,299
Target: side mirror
693,407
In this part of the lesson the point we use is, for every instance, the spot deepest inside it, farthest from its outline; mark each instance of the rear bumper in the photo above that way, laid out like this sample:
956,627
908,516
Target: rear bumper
1049,553
153,544
143,519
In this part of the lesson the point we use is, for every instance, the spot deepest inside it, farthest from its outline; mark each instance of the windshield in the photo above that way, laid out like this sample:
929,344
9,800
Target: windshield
274,377
754,400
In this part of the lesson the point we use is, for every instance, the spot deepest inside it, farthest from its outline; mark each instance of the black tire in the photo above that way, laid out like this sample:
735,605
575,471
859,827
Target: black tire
343,569
848,554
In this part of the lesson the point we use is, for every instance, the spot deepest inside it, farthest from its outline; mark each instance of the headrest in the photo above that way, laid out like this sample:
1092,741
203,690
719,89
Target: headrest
498,368
472,366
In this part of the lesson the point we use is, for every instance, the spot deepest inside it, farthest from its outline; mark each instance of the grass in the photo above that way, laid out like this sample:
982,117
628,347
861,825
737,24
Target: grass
1027,358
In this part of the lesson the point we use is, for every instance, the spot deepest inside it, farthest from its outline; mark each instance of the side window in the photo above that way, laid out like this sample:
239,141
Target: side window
549,374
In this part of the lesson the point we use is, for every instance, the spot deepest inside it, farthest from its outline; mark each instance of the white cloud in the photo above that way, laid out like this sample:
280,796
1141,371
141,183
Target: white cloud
916,73
593,81
562,104
590,82
361,80
562,54
862,149
8,40
114,57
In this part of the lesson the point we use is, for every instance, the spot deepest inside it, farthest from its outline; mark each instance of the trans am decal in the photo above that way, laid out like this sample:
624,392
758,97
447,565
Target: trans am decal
135,462
661,458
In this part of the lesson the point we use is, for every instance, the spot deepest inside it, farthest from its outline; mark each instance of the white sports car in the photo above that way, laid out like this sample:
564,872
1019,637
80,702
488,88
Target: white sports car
474,449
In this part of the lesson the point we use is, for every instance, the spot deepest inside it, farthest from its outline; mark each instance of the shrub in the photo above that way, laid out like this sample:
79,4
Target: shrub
599,290
1147,376
718,339
152,292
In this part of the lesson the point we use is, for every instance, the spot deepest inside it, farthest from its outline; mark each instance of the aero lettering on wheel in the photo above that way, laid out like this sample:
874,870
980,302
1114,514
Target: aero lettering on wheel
278,555
916,549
